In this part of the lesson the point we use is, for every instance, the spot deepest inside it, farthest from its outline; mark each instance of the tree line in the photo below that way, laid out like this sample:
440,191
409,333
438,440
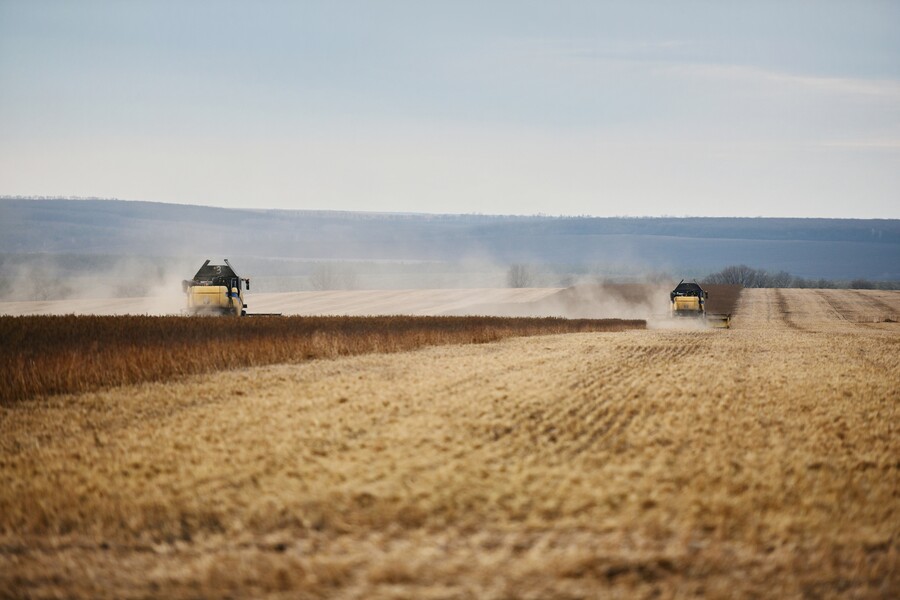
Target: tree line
760,278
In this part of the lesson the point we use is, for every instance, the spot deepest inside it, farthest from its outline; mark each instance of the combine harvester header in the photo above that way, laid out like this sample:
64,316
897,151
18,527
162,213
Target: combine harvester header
689,300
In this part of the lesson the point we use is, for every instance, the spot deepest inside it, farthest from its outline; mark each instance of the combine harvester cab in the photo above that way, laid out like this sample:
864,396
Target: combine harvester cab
689,300
216,290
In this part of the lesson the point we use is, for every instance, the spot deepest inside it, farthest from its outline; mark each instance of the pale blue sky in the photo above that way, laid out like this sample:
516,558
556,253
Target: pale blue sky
601,108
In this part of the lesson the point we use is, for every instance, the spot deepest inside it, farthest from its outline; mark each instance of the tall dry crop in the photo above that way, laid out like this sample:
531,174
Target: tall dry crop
53,355
722,297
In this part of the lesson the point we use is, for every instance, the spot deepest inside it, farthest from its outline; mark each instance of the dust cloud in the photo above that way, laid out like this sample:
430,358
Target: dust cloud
65,284
589,299
476,285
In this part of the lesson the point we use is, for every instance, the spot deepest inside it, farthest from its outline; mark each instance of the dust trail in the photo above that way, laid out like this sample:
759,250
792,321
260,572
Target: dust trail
591,300
46,284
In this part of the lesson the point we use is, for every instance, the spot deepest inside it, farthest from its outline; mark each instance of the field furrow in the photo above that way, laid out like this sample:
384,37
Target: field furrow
861,306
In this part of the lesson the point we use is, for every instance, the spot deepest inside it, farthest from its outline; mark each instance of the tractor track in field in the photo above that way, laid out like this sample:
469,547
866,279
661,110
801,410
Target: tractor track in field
878,309
594,406
783,310
815,310
605,422
859,307
528,420
831,305
875,302
840,308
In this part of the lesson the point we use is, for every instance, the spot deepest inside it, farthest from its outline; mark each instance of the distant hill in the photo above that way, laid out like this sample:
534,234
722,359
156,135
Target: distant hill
828,248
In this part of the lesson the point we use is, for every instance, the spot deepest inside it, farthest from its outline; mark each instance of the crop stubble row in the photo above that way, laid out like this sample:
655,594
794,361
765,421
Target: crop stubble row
755,462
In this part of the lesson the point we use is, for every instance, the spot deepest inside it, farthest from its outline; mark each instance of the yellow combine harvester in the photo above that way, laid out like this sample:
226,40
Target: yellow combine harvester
689,300
216,290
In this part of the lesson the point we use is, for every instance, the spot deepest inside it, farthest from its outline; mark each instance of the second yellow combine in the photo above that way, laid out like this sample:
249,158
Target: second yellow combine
689,300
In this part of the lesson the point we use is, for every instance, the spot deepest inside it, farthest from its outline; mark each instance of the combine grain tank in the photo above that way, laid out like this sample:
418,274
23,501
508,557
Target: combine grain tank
216,290
688,300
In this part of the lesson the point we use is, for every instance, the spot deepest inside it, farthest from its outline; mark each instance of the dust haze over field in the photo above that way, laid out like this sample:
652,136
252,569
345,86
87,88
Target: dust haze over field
114,257
123,286
66,282
648,301
759,461
590,300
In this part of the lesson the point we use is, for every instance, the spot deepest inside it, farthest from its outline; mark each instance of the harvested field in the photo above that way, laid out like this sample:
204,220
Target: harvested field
755,462
56,355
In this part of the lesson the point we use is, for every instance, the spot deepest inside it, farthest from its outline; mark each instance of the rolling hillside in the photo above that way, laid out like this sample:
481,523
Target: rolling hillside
829,248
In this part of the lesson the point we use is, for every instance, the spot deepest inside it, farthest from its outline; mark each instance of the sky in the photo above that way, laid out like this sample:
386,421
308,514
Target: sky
703,108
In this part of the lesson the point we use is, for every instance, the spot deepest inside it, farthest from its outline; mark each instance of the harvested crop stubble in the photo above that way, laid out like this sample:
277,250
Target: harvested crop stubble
755,462
67,354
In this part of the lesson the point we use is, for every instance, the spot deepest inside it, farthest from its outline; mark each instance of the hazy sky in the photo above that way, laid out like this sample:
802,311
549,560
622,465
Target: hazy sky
514,107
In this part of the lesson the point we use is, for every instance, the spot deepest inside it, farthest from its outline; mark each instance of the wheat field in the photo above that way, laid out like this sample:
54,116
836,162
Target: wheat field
47,355
761,461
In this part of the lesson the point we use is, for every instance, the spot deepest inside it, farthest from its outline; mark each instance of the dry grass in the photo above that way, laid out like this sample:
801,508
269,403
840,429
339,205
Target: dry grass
57,355
752,462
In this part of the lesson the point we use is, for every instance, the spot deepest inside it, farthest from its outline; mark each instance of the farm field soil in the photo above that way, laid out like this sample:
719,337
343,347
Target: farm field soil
760,461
